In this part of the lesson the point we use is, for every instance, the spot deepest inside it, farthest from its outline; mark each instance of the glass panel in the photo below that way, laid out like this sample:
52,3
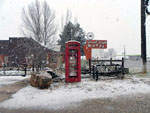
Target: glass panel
73,62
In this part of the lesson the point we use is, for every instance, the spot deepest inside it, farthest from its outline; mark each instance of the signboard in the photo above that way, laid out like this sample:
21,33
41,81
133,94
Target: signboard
93,44
96,44
87,52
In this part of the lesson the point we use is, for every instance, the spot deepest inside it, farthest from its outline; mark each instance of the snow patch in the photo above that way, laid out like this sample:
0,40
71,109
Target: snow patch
12,73
69,94
6,80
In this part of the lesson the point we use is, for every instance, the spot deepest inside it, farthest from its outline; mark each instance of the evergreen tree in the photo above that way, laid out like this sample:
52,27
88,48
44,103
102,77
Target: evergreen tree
72,32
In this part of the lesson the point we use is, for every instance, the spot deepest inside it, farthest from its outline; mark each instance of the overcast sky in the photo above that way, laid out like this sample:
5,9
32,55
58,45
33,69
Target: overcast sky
117,21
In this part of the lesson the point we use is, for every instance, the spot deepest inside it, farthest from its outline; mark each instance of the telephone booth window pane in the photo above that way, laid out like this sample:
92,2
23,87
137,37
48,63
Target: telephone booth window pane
73,63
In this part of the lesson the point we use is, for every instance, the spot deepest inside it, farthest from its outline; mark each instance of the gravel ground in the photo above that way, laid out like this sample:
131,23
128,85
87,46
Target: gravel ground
139,103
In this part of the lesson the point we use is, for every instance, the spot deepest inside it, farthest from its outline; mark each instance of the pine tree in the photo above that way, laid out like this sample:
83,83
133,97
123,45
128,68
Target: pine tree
72,32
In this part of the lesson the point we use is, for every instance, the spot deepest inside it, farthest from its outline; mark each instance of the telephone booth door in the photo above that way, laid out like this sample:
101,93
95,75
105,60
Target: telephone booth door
72,61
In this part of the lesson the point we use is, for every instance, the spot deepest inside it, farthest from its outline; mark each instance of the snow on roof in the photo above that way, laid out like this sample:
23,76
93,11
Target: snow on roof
56,48
72,41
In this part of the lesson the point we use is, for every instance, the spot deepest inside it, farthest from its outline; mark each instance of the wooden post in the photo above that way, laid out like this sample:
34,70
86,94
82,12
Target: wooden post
33,67
90,65
96,74
122,66
110,61
4,65
25,70
93,72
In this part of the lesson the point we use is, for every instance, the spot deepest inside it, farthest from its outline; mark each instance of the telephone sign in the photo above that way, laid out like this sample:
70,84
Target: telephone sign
99,44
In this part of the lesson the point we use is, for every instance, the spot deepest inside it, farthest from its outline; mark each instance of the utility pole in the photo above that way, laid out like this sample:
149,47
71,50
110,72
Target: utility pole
144,4
124,53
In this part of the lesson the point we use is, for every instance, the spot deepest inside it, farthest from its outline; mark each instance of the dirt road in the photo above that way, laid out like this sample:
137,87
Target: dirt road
139,103
7,90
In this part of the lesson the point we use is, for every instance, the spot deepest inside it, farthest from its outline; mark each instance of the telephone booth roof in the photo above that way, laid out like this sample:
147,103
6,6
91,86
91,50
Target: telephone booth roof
72,41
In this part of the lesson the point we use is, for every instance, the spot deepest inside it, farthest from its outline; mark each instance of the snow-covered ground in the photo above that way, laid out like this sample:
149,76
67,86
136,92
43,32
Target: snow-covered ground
62,95
12,73
6,80
11,77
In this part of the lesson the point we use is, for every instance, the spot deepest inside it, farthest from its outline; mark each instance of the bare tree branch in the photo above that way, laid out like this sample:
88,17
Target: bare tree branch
49,28
38,22
68,16
65,20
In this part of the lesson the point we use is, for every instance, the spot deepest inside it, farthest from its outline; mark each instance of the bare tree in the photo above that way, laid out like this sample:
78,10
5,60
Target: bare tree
106,55
38,23
49,28
32,21
68,16
112,53
66,19
75,20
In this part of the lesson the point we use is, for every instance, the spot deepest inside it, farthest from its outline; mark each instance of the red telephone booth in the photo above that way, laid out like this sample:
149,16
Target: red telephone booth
72,61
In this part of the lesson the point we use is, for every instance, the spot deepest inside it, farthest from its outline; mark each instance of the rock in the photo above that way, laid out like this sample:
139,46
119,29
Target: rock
42,80
89,89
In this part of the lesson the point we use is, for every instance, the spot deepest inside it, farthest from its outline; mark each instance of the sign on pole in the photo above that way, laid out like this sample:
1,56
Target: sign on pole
93,44
96,44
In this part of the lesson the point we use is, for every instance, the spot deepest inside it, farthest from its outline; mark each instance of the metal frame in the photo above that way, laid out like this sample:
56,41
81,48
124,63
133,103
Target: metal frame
106,68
